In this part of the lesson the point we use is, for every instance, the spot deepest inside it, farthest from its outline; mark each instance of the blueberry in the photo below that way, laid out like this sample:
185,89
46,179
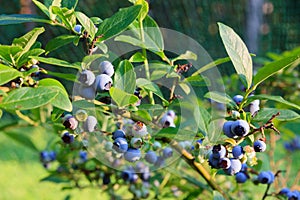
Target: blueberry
87,92
132,155
87,77
120,145
240,128
52,155
171,113
139,129
167,121
106,179
237,152
127,175
293,195
167,152
136,142
227,129
259,146
265,177
67,138
156,145
77,28
244,167
241,177
234,168
151,157
238,99
118,133
254,106
160,161
235,114
224,163
284,191
44,156
90,124
83,156
70,122
213,162
106,67
218,151
103,83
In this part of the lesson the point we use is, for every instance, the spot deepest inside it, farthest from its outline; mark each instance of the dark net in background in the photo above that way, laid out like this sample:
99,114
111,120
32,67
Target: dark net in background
265,26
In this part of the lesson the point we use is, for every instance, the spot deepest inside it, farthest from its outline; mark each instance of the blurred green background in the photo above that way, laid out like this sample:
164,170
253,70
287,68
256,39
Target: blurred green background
265,26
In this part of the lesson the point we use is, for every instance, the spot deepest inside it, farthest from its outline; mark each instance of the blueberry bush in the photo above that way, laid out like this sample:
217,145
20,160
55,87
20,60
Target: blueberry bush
149,115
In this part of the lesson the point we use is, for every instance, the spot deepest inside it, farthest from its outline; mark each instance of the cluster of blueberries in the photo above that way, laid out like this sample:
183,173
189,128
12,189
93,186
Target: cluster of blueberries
291,195
46,157
91,84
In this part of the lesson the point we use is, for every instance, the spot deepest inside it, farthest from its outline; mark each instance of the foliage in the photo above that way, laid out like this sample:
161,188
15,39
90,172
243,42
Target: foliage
152,100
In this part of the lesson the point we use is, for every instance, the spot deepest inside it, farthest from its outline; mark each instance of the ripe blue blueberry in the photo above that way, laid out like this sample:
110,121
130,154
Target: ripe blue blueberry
237,152
214,162
240,128
293,195
106,179
90,124
103,82
47,156
234,168
171,113
244,167
70,122
160,161
120,145
136,142
83,156
87,92
218,151
227,129
67,138
265,177
254,106
77,28
241,177
238,99
132,155
167,152
127,175
118,133
106,67
284,191
151,157
259,146
87,77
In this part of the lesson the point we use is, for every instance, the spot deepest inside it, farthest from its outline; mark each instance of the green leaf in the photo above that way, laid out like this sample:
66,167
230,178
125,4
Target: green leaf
144,10
188,55
118,22
27,98
54,3
122,98
175,133
55,178
22,137
137,57
26,56
69,77
211,65
125,77
273,98
150,86
130,40
218,195
62,100
285,115
57,62
270,69
87,23
8,73
198,81
87,60
7,53
58,42
153,35
220,98
151,107
21,18
103,47
27,40
238,53
42,7
67,16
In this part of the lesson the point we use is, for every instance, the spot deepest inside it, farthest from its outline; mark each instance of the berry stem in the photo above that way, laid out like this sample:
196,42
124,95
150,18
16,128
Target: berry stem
199,168
26,118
